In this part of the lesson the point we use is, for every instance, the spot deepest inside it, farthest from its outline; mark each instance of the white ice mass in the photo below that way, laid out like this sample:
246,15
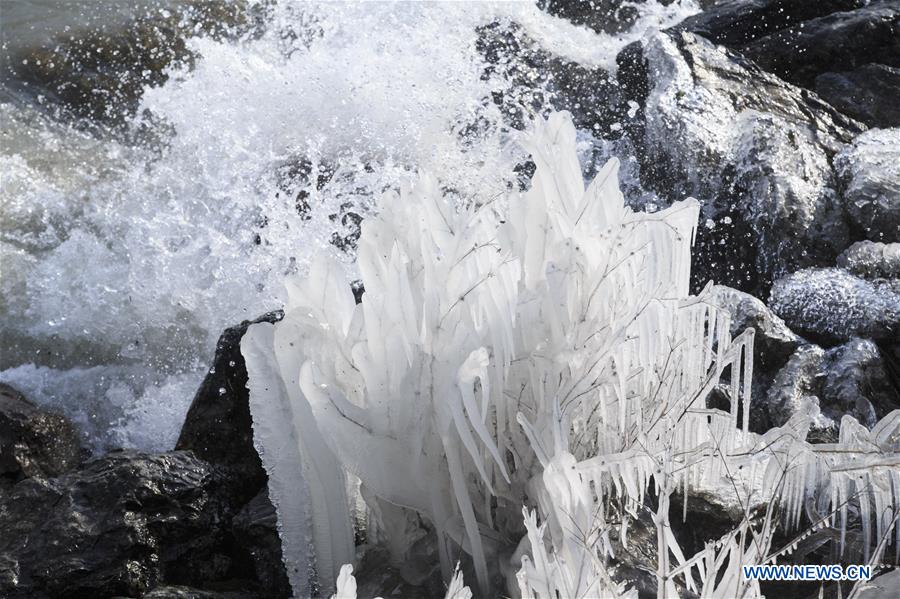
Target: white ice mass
538,352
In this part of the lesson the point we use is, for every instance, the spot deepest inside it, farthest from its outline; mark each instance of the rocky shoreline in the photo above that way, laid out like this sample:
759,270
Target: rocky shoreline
780,116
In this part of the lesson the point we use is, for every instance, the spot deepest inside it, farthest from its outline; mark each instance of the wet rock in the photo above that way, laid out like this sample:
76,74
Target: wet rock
867,94
255,530
841,41
753,149
851,379
33,442
737,22
869,169
795,390
591,95
774,342
101,73
218,427
857,382
603,16
872,260
118,527
830,305
847,51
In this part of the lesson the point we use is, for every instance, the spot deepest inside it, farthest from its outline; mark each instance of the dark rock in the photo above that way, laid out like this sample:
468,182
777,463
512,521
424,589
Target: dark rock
795,390
872,260
218,427
869,170
33,442
851,379
117,527
868,94
737,22
753,149
774,342
101,73
842,41
538,77
857,382
829,305
255,530
847,51
603,16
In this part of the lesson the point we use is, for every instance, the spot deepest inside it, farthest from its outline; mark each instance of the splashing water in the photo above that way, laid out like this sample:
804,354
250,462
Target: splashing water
123,261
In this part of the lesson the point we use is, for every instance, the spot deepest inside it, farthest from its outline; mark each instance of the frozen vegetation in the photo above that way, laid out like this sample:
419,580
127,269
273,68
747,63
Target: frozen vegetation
520,376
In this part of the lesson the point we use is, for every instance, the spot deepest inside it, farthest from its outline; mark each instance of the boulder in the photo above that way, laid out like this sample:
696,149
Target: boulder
872,260
117,527
847,51
218,427
735,23
869,171
255,531
856,381
537,76
603,16
795,390
852,379
101,72
774,341
867,94
830,305
836,42
756,152
34,442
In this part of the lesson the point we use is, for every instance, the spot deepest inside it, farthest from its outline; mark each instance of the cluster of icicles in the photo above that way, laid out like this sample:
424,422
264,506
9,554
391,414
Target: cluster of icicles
518,373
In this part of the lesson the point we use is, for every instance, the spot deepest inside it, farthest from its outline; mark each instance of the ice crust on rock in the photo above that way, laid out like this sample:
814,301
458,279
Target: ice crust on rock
872,260
870,171
831,305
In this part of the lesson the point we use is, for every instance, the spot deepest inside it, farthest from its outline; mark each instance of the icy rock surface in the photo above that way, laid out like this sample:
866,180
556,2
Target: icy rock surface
774,342
831,305
795,387
872,260
753,149
851,379
870,172
857,382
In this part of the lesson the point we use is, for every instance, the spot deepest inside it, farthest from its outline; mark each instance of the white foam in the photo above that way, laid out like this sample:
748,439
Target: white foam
122,263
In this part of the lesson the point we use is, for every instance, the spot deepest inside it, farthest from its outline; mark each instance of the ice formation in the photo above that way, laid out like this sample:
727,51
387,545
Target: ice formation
538,352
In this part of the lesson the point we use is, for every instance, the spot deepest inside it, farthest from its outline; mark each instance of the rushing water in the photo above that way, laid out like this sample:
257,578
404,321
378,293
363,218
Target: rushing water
122,261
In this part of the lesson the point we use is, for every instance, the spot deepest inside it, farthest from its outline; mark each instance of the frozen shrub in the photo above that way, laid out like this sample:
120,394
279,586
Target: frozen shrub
538,353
